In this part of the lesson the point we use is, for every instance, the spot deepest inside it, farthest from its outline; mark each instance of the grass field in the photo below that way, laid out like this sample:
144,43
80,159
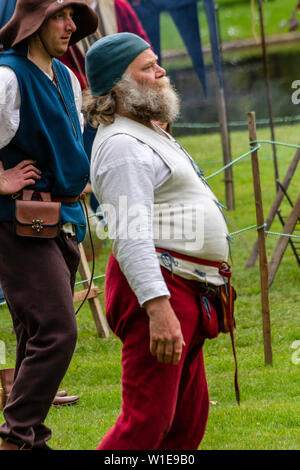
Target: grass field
236,21
269,414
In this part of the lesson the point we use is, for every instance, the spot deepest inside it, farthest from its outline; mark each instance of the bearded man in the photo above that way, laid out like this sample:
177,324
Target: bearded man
164,223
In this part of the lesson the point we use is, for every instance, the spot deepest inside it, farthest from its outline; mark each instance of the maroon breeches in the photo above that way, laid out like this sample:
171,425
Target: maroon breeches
164,406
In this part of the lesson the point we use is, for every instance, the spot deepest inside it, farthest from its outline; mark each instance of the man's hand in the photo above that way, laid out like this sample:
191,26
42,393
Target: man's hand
166,340
17,178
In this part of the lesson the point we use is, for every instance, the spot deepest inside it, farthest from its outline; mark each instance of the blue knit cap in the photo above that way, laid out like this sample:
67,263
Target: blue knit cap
109,57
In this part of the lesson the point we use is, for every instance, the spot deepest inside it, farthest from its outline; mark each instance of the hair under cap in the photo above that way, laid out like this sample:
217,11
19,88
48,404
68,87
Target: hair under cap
109,57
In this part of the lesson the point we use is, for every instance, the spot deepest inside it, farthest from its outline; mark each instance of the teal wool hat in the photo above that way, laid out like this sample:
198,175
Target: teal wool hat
109,57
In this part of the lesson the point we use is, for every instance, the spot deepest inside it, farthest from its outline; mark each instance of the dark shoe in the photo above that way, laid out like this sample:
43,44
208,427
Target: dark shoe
7,380
63,401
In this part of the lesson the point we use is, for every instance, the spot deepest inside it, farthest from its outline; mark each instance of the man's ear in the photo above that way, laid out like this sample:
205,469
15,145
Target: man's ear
1,167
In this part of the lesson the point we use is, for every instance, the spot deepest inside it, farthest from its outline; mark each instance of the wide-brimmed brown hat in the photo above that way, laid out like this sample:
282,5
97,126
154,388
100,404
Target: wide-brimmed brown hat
29,16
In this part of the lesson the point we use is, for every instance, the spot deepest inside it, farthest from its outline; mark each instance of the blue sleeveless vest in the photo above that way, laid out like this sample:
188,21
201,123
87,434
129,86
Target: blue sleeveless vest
49,135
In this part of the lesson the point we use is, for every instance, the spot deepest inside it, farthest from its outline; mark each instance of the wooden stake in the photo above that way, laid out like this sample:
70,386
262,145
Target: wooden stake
278,253
93,300
261,245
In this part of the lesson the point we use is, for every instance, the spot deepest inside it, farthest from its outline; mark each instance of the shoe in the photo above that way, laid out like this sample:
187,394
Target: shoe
63,401
7,379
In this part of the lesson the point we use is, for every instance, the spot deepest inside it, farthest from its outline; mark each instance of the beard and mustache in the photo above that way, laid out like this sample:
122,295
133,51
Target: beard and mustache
146,102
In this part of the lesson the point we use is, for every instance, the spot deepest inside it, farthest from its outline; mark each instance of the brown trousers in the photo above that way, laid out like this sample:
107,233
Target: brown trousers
37,277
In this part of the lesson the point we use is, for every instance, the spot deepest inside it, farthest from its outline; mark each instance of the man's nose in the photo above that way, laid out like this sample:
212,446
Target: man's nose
71,26
160,71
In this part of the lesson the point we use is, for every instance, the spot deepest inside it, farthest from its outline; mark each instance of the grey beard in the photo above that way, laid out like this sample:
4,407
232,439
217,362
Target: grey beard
147,103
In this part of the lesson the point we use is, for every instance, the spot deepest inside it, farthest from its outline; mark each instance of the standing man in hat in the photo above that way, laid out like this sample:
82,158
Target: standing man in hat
168,233
40,126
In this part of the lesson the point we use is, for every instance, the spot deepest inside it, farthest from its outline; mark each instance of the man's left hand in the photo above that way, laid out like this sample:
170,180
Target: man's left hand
18,177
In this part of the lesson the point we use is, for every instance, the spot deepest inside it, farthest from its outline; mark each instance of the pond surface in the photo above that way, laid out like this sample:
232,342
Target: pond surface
245,90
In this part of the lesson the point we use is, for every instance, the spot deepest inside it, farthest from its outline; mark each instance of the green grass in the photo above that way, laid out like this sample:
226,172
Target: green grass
235,18
269,414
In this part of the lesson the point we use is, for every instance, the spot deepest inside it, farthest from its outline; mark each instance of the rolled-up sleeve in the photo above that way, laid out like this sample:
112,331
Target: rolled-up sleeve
9,105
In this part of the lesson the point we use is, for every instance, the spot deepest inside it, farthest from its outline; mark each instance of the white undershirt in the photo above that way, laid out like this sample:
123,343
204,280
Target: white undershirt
10,102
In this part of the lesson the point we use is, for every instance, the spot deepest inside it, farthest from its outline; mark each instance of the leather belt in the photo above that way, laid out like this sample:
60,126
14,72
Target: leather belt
63,199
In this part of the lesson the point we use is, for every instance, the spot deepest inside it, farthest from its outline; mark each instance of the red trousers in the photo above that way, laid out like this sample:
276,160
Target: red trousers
164,406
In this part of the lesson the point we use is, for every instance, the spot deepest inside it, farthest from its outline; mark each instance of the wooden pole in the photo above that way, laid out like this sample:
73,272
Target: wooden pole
225,136
261,244
268,88
276,204
278,253
95,306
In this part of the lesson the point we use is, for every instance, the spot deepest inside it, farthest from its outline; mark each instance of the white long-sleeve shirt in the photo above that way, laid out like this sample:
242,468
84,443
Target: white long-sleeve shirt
153,195
131,168
10,102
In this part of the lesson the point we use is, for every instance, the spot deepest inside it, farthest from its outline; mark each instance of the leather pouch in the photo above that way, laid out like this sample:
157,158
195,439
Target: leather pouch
209,323
37,218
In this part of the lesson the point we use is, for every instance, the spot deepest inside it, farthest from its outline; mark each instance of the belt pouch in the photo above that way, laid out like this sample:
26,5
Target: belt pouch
37,218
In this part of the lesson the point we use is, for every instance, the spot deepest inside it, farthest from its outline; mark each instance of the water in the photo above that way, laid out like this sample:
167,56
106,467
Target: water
245,90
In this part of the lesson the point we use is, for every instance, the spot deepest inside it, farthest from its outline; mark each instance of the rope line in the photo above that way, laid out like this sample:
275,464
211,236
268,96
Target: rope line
276,143
247,228
76,283
88,280
279,234
216,125
282,234
233,162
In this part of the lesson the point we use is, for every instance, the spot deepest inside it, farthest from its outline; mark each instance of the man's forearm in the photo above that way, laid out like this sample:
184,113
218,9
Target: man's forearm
166,339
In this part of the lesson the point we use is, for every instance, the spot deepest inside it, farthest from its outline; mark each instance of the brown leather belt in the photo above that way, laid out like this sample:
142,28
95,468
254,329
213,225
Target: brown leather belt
63,199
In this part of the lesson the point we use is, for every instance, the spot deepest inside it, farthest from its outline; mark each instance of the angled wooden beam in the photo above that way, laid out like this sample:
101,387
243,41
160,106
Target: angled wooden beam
275,206
93,300
283,241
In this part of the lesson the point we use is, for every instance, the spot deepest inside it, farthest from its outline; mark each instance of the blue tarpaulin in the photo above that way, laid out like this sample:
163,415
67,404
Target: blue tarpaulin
1,296
185,16
7,7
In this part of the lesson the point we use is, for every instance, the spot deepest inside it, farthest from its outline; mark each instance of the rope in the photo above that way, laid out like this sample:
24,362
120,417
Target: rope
266,231
276,143
216,125
233,161
87,280
282,234
76,283
247,228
